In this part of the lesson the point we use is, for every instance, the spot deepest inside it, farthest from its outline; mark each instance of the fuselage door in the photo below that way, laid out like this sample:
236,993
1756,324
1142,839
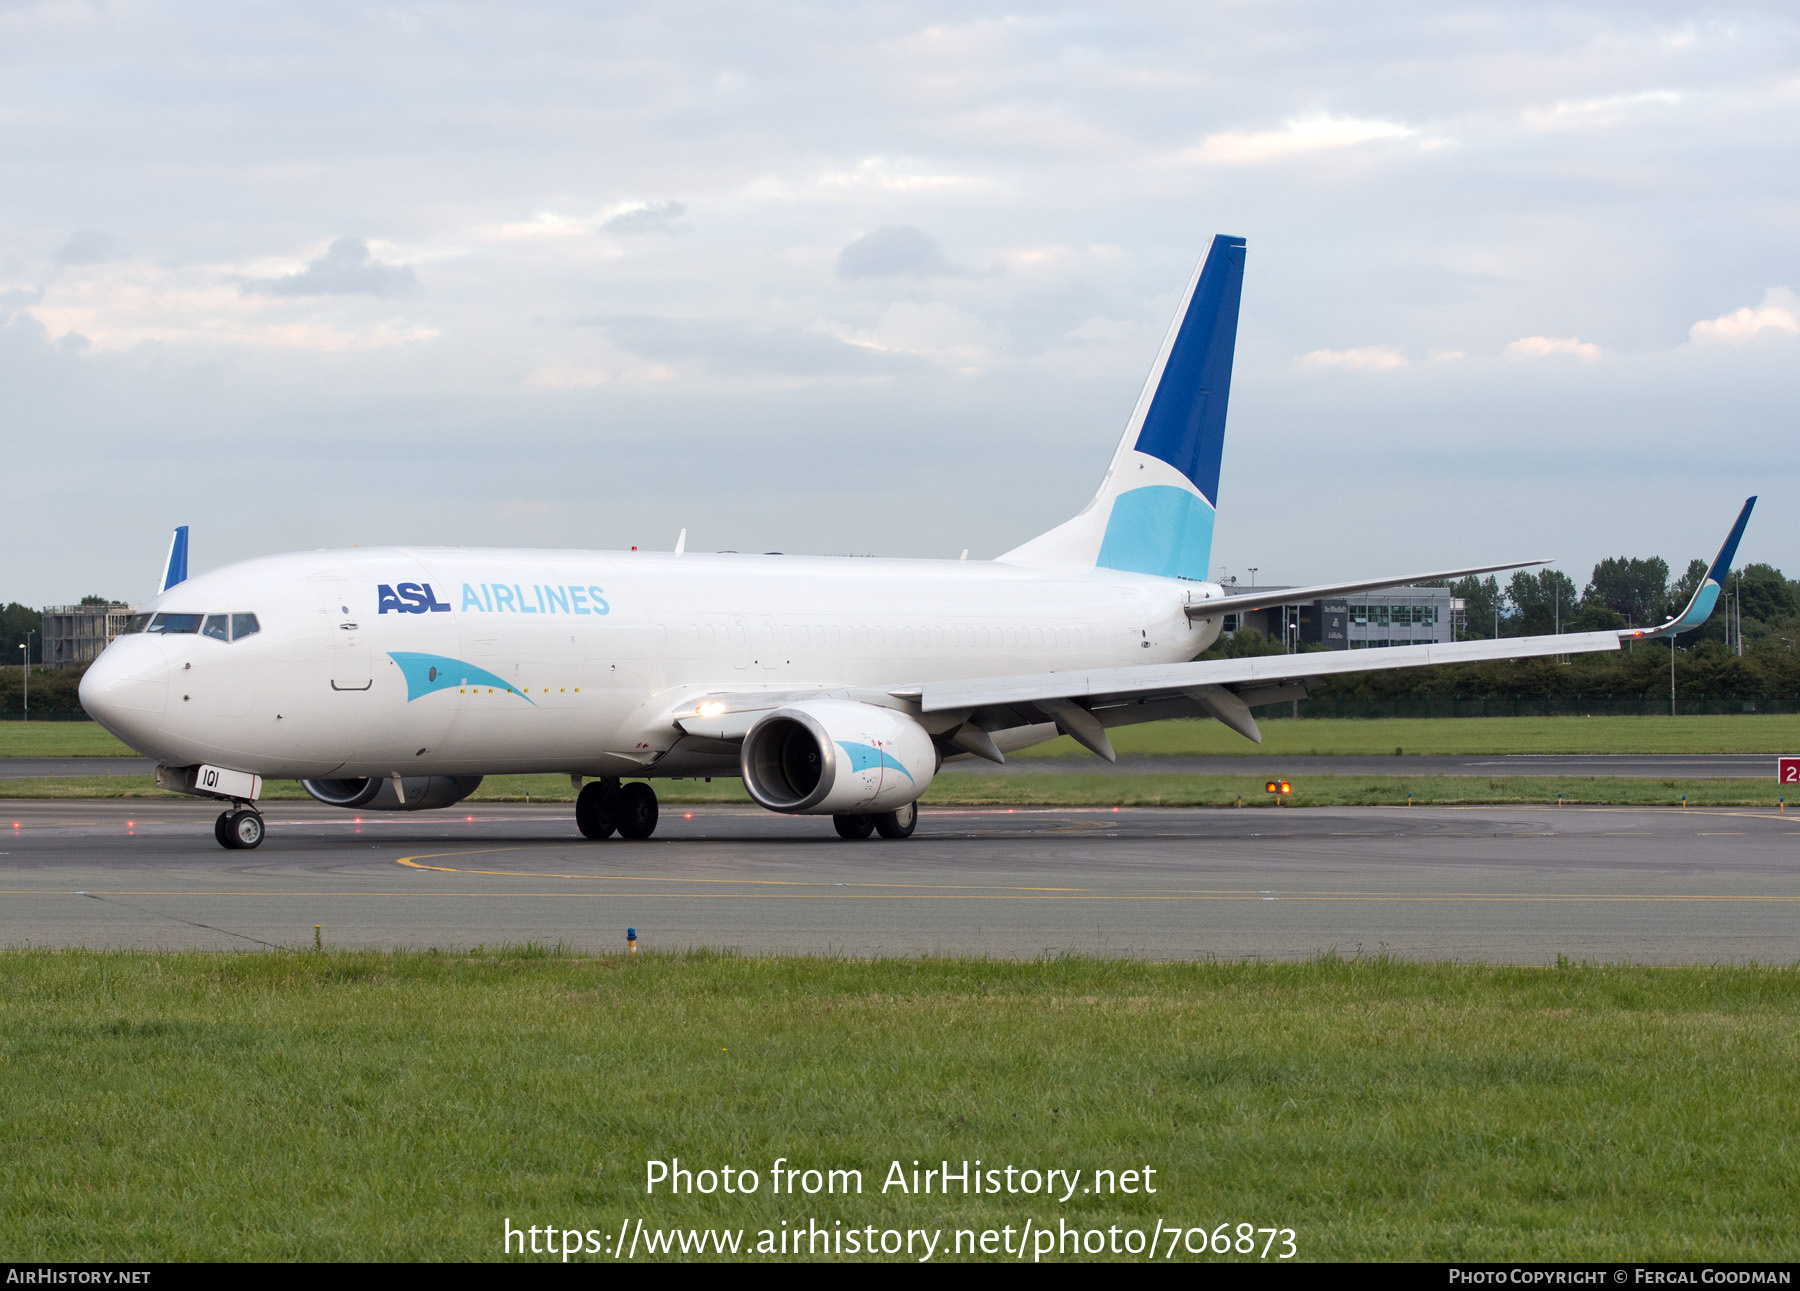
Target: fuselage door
347,649
740,643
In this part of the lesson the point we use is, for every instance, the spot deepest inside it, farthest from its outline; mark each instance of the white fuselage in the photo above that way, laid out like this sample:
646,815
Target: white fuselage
574,661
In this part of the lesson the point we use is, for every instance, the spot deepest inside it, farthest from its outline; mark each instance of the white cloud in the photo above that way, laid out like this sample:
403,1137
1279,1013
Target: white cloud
1597,113
1779,312
871,174
1299,136
1368,358
933,330
121,304
648,217
588,376
1537,347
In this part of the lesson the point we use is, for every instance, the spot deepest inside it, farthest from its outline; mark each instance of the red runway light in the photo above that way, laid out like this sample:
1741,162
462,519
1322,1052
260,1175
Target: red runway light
689,816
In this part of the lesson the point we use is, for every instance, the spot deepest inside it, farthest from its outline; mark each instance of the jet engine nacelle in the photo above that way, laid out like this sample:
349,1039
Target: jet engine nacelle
836,757
374,793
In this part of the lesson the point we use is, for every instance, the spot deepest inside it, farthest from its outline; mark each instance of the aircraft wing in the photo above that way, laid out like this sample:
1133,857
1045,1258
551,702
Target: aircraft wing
1241,602
1084,704
1104,684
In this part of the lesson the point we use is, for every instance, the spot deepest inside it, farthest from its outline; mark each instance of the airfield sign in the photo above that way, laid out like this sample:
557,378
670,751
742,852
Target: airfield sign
1787,770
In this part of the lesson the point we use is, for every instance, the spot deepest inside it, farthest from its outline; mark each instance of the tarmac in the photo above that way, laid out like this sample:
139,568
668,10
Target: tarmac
1494,884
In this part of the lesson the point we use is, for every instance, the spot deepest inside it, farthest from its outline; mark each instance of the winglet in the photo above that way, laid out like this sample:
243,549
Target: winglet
175,568
1700,608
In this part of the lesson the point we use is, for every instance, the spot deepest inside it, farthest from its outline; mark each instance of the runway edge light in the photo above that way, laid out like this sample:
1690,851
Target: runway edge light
631,940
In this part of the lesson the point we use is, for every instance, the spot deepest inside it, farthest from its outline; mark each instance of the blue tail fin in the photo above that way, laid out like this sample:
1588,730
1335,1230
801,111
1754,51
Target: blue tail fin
1185,423
175,568
1155,509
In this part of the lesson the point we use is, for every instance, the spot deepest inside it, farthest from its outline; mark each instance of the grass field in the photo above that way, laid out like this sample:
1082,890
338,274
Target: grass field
1748,733
365,1106
59,740
1114,790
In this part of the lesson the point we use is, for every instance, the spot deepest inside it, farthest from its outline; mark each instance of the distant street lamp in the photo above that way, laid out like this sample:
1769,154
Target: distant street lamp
25,652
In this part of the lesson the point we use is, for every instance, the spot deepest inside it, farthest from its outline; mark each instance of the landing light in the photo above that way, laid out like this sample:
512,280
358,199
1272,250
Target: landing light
711,708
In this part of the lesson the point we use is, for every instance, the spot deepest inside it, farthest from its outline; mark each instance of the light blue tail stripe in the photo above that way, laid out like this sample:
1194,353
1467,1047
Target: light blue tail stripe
1161,530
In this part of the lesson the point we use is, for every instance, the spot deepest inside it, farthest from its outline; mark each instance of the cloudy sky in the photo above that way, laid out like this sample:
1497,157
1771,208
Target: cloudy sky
886,279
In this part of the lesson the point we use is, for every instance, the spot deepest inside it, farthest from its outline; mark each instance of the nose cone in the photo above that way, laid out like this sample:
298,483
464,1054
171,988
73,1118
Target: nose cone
126,689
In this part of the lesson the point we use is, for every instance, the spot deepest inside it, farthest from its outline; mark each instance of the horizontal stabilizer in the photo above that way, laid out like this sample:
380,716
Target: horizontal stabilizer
1243,602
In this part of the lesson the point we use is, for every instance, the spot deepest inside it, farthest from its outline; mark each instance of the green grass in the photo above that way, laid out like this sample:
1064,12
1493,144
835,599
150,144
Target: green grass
367,1106
59,740
1105,790
1748,733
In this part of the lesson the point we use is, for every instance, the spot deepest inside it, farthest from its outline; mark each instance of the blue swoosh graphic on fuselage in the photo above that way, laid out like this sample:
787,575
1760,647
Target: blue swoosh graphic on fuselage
866,757
416,668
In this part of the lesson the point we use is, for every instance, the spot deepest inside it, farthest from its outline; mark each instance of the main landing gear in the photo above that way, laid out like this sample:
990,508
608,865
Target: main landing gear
239,829
606,806
889,824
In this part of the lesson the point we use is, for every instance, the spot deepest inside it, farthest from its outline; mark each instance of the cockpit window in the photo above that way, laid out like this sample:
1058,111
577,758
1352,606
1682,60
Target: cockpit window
220,627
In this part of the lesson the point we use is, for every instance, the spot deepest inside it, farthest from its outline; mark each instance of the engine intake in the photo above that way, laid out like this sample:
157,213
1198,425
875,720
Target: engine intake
372,793
836,757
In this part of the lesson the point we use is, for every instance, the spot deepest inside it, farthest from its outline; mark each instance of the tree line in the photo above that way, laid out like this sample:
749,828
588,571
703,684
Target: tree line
1627,591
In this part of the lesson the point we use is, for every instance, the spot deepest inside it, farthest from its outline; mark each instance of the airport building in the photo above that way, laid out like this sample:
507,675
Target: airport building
1393,616
74,635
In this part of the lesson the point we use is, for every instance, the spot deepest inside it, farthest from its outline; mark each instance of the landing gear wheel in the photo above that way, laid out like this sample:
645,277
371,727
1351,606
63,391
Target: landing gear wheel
899,823
596,810
239,831
636,810
854,826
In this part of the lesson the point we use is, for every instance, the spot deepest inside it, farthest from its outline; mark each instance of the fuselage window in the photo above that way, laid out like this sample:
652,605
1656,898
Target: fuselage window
173,624
244,625
217,626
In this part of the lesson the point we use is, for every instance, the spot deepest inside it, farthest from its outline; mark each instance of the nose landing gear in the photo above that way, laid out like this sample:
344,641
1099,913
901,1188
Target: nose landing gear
239,830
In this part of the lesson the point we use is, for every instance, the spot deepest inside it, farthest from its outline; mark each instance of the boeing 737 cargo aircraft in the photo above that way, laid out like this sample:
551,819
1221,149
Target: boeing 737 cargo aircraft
394,679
